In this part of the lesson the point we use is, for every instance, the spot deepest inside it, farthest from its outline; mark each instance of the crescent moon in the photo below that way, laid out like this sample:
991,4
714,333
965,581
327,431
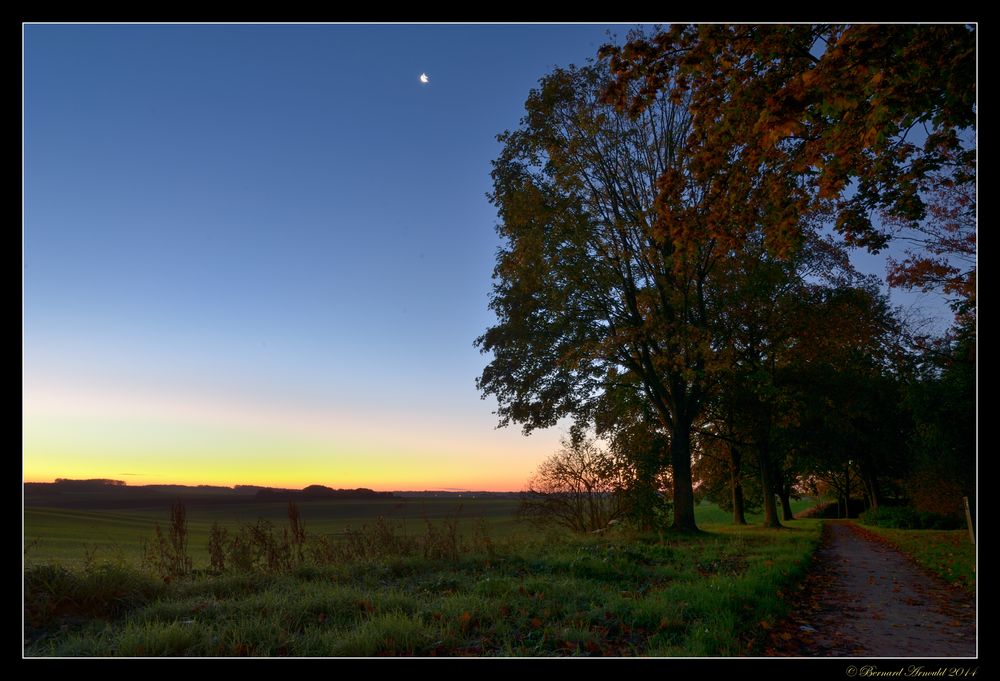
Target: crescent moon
424,79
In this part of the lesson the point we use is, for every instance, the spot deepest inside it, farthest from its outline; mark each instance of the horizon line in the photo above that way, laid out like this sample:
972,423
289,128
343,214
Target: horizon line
453,490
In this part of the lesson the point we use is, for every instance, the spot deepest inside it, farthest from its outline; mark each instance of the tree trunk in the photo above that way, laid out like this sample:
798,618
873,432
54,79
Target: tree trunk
766,481
783,486
680,460
737,488
866,493
644,496
739,518
786,506
873,500
871,482
847,491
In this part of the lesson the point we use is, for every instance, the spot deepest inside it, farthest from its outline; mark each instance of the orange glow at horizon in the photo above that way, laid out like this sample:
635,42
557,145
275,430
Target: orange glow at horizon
142,439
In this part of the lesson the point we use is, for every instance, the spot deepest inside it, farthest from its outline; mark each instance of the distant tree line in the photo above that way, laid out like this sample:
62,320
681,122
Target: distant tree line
95,492
319,492
68,483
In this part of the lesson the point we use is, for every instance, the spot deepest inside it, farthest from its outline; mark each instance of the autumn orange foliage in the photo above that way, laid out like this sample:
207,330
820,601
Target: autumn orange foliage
861,120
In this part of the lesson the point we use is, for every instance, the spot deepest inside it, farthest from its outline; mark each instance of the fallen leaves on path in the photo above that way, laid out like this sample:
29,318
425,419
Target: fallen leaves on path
861,597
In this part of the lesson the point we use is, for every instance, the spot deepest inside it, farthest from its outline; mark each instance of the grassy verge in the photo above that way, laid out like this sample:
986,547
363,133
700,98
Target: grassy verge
947,553
554,595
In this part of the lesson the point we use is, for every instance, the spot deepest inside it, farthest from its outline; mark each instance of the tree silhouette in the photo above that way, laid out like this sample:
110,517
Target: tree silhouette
590,291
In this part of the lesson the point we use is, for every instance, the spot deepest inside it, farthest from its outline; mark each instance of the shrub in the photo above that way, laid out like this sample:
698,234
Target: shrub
580,487
906,518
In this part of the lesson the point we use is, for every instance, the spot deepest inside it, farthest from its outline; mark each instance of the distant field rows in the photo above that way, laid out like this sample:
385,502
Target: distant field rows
66,536
71,537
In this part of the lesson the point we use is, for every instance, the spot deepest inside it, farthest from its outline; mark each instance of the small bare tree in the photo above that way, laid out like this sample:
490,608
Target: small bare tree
581,487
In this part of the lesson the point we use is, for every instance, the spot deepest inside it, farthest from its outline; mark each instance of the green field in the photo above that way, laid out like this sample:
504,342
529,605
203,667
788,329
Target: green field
504,588
74,537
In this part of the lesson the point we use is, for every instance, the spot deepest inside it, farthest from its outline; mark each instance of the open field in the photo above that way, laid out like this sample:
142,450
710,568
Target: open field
73,537
508,589
68,536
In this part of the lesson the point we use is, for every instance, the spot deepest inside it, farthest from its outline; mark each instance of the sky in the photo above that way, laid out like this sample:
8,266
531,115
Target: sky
260,254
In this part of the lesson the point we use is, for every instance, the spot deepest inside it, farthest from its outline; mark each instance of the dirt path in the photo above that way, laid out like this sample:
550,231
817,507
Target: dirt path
866,599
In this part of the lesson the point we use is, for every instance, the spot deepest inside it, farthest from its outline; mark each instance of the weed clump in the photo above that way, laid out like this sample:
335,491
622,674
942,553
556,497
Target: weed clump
442,542
217,541
259,547
387,540
168,555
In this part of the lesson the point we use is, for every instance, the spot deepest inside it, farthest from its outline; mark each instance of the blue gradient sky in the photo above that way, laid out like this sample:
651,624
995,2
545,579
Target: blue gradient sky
275,233
261,254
